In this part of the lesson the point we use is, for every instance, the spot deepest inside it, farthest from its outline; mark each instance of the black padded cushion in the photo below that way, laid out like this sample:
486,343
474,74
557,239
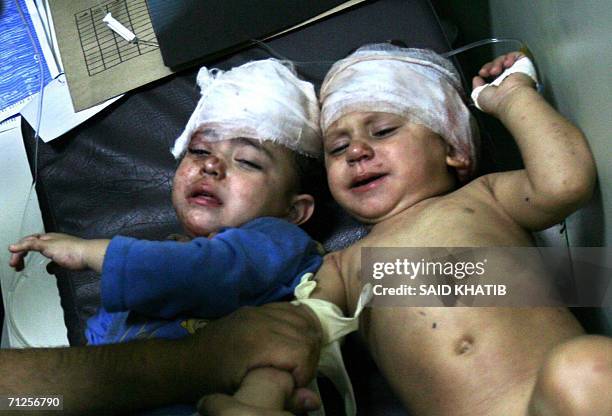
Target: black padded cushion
112,175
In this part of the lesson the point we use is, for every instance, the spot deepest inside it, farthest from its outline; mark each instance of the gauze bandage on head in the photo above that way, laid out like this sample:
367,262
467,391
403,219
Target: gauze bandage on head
262,100
417,84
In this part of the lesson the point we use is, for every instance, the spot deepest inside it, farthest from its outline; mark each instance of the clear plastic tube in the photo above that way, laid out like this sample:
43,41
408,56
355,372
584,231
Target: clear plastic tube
521,45
20,277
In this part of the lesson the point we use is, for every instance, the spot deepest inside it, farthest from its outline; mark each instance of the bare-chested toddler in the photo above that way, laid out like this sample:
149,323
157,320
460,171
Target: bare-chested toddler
400,151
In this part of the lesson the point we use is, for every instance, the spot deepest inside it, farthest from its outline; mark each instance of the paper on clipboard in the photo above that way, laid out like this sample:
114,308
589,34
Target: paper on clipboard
57,116
98,63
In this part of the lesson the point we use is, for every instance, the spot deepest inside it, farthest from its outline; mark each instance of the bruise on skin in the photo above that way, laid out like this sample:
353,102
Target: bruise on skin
422,313
527,199
434,325
468,210
464,345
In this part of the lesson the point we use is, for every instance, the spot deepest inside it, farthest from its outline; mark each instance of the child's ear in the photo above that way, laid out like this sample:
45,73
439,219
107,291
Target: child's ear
302,207
455,160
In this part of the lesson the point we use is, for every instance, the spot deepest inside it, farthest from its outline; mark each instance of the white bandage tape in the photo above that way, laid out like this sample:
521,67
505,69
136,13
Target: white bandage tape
523,65
334,326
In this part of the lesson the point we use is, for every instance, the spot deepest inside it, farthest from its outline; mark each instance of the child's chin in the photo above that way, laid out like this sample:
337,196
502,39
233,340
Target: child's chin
201,230
371,217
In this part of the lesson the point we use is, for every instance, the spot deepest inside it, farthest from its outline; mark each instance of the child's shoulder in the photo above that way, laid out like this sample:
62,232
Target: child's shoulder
479,188
476,196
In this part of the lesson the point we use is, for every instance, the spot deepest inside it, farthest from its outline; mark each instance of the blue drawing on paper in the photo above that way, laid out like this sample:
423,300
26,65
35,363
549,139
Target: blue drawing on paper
19,68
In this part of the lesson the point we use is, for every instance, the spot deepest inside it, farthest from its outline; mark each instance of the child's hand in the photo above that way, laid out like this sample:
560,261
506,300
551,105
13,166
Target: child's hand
67,251
494,99
301,401
224,405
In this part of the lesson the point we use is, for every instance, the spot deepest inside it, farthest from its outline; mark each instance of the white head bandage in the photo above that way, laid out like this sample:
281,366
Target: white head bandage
417,84
261,100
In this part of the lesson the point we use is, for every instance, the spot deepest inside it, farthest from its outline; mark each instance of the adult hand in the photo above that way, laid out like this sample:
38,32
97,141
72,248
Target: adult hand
214,359
279,335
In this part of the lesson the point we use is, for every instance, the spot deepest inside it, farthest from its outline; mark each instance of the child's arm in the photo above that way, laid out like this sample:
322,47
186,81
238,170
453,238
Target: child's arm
67,251
207,278
267,391
559,172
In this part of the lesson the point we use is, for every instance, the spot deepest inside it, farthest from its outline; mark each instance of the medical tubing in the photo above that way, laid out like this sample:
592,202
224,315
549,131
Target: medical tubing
275,54
15,283
483,42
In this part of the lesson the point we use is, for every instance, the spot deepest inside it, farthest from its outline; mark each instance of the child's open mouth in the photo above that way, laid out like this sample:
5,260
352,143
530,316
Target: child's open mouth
366,182
206,199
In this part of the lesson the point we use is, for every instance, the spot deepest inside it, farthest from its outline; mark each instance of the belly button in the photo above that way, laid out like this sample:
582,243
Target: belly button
464,345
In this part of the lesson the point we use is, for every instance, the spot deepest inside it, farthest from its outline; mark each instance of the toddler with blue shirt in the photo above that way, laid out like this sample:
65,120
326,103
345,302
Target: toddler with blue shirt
245,156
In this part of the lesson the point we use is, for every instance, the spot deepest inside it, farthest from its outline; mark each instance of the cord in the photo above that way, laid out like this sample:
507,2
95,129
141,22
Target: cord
275,54
20,277
483,42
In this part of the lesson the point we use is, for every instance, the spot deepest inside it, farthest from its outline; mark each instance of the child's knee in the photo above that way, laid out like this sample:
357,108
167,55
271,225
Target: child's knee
577,375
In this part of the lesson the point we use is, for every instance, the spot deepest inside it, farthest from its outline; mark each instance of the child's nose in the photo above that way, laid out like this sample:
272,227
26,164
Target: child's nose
214,166
359,151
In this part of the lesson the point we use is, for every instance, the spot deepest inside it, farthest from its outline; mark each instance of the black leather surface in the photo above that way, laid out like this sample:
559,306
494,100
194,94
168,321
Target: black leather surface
112,175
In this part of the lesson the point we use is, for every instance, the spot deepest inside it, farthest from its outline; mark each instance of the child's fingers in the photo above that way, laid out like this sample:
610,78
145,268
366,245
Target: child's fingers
16,260
25,243
303,400
509,60
224,405
20,246
477,82
499,64
484,71
492,68
32,242
512,57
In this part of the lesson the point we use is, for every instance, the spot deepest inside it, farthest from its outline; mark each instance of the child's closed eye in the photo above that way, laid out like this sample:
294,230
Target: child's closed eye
336,150
250,164
384,132
198,152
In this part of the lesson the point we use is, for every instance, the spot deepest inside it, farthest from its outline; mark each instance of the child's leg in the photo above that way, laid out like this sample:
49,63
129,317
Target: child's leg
576,379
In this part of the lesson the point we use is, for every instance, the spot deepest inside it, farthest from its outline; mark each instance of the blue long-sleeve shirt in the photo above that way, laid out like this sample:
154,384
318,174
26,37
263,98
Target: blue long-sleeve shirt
257,263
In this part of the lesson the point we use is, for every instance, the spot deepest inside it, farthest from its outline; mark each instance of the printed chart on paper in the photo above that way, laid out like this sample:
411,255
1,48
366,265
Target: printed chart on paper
102,48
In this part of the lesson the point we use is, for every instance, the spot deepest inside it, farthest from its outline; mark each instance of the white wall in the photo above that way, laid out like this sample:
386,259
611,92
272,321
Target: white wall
571,41
33,315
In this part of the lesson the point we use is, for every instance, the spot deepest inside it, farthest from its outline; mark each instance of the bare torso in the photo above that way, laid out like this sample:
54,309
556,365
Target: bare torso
454,361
